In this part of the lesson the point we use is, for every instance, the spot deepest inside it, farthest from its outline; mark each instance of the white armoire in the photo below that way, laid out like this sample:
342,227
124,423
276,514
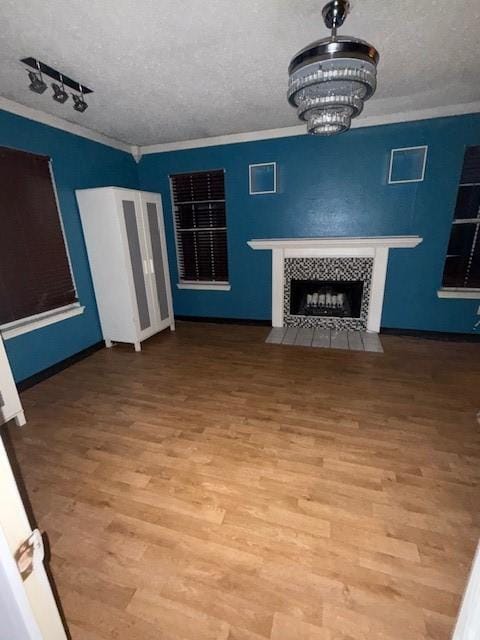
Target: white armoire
125,238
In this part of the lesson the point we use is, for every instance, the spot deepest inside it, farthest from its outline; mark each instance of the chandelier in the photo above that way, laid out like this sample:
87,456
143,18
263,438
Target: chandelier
331,78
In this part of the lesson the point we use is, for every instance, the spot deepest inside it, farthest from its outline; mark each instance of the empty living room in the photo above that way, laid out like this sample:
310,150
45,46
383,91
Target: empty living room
240,320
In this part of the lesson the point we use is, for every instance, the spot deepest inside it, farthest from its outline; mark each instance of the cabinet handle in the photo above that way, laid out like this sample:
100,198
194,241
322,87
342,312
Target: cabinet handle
145,267
152,270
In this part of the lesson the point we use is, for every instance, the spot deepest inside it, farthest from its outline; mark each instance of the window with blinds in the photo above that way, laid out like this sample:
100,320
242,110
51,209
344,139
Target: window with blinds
35,272
200,226
462,264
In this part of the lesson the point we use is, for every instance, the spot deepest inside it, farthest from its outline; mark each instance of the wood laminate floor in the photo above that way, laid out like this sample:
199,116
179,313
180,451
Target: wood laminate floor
214,487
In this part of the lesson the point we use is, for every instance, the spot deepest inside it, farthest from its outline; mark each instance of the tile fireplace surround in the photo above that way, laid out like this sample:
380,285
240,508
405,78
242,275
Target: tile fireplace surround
333,259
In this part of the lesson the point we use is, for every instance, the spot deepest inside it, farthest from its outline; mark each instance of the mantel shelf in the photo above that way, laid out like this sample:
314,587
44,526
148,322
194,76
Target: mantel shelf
390,242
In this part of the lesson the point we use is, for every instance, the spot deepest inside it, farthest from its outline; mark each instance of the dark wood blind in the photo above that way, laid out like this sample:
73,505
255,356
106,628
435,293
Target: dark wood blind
34,270
462,264
471,165
201,225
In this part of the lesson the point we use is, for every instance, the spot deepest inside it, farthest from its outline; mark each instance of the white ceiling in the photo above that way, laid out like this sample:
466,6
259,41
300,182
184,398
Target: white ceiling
171,70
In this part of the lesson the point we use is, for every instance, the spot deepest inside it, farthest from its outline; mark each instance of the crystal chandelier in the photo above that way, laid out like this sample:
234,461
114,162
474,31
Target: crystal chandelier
331,78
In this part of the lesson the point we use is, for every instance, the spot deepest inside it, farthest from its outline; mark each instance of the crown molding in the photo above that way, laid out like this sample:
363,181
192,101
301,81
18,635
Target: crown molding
234,138
231,138
285,132
59,123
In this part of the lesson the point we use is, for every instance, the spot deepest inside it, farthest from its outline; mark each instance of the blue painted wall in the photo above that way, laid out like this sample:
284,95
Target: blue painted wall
77,163
333,186
327,187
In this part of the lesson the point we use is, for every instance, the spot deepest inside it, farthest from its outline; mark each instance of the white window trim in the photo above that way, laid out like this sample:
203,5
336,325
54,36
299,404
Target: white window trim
39,320
57,202
205,286
459,292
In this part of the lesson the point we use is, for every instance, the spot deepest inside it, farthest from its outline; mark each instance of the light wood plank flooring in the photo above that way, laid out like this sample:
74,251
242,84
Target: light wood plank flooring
215,488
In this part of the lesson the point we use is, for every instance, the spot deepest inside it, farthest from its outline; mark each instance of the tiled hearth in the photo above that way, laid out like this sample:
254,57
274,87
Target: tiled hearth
325,338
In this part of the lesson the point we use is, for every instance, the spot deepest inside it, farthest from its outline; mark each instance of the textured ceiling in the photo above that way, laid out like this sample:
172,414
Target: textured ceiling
170,70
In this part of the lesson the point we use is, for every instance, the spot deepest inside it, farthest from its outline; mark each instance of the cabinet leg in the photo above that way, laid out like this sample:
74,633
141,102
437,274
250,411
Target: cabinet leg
172,326
108,344
138,346
20,419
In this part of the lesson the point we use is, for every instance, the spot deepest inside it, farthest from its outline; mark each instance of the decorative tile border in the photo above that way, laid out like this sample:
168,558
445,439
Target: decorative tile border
340,269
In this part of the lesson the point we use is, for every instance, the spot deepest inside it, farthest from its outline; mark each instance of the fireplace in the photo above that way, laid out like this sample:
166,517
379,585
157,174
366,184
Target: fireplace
328,293
351,271
326,298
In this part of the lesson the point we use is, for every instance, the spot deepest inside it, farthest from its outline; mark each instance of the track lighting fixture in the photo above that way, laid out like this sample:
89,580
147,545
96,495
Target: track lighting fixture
59,93
37,85
79,103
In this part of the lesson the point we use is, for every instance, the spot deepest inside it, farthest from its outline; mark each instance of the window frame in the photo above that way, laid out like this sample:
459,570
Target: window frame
183,283
36,321
461,292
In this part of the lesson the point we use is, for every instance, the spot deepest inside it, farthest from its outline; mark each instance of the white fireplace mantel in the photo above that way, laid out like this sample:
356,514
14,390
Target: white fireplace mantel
376,247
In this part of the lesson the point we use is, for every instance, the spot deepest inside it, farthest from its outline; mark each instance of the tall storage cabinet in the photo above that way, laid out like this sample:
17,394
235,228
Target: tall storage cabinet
125,238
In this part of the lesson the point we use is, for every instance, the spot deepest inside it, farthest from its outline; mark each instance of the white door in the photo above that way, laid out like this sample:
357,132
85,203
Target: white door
130,211
27,607
468,623
10,406
156,247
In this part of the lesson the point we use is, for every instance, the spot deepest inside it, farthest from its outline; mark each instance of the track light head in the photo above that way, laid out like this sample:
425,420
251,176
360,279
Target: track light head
79,103
37,85
59,93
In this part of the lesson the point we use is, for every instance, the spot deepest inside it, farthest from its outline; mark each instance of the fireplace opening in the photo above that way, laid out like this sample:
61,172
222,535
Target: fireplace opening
326,298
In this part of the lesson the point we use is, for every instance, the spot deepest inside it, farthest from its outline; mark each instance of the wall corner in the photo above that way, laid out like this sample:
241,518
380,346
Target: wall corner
136,152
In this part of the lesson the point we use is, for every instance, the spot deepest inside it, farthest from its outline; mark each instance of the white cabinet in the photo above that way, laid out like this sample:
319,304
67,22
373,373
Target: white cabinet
10,405
125,238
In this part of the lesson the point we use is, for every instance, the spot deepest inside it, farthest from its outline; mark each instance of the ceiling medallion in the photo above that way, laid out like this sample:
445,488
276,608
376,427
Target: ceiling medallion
331,78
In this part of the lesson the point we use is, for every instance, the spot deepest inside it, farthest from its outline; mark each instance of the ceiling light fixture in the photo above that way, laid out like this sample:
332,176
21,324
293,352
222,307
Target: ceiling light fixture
59,93
36,74
37,85
79,103
331,78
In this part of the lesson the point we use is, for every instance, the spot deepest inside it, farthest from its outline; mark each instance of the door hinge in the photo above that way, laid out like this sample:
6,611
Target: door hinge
30,554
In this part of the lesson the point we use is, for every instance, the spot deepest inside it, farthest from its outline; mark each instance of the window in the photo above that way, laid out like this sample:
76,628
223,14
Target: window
200,227
462,264
35,274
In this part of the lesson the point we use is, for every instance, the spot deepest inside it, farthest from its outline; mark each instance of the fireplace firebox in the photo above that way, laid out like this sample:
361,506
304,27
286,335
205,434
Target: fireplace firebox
326,298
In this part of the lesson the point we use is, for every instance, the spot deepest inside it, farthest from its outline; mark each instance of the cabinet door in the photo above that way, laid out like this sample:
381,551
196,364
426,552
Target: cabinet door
157,257
131,212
